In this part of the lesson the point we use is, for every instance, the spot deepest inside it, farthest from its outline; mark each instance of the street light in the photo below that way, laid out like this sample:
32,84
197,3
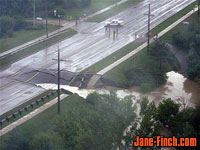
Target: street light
55,13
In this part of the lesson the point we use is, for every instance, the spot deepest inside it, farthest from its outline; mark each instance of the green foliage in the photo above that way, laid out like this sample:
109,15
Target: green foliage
188,39
44,141
17,141
9,24
25,7
160,51
147,124
167,110
151,120
16,7
6,25
146,79
97,122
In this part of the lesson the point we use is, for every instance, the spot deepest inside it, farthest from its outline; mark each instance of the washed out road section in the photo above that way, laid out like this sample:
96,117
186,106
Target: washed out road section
87,47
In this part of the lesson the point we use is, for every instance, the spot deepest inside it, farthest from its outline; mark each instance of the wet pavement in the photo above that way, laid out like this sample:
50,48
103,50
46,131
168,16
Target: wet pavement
177,87
89,46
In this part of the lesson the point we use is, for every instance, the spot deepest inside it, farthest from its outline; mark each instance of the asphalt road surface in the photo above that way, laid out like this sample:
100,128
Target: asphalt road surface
90,45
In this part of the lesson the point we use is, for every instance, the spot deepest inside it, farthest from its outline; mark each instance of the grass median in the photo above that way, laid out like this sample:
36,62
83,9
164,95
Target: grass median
173,19
113,11
23,36
142,71
16,109
112,58
37,47
44,122
194,20
96,5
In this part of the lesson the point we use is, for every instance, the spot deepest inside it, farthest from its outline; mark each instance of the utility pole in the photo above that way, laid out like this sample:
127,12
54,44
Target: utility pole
149,26
199,8
58,80
34,12
45,3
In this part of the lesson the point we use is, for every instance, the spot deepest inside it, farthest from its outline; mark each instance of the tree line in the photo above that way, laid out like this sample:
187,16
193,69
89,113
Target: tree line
14,12
188,40
102,122
25,7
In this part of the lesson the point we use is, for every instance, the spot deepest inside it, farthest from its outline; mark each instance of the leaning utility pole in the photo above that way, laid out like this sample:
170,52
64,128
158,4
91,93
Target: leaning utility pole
45,3
58,80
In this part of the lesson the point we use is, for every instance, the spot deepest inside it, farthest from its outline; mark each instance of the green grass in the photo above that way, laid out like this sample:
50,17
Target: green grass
23,36
37,47
194,19
145,66
45,121
96,5
120,53
173,19
43,95
115,10
113,57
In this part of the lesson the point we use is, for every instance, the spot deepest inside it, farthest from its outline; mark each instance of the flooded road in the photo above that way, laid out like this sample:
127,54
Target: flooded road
82,50
177,87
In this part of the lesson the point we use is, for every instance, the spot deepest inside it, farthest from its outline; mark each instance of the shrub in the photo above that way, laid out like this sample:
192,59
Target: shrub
146,87
10,33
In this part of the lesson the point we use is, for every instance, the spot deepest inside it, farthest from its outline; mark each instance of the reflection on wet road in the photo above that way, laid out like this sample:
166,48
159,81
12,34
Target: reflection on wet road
84,49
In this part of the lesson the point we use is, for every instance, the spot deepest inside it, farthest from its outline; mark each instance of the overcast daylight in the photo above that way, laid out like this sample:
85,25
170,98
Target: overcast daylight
99,74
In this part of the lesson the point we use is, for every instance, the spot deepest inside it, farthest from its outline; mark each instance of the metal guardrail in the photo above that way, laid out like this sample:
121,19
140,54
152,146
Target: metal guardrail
32,44
25,109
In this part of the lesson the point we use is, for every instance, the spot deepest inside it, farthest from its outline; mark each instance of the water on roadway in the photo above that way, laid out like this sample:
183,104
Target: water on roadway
177,87
82,50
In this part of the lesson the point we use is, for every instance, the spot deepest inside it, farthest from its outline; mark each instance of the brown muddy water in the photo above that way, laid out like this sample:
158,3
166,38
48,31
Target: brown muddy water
177,87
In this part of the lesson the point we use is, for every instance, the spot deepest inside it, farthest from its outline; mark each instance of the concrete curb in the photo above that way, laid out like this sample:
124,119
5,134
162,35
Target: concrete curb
93,80
52,34
30,115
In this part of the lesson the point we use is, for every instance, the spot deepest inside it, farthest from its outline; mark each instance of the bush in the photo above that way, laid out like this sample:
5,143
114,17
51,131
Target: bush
6,24
10,33
17,141
146,87
35,27
20,23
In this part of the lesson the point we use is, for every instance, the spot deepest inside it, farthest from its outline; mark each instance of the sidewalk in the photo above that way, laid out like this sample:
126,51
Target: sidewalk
54,33
95,78
30,115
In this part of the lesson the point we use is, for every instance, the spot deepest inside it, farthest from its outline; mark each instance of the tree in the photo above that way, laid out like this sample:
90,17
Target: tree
167,110
159,50
6,24
17,141
46,141
146,125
